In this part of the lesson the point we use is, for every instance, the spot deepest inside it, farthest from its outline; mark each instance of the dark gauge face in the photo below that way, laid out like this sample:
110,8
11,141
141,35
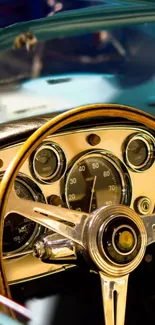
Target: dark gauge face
93,182
48,163
45,162
137,152
18,230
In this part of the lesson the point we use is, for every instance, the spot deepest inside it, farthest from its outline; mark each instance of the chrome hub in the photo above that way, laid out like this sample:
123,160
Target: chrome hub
116,240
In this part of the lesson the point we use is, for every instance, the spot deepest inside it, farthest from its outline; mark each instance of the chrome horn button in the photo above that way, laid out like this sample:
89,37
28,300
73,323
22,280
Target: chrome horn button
116,239
119,240
124,239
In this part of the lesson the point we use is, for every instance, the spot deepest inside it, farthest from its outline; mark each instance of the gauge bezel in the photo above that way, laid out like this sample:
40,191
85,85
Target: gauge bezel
117,164
46,178
150,145
61,163
113,239
38,230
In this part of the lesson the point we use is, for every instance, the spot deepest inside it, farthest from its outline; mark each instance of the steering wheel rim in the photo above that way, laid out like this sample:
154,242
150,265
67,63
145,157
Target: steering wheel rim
49,128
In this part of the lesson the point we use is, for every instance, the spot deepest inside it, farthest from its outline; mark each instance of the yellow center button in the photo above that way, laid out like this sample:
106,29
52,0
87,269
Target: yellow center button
125,240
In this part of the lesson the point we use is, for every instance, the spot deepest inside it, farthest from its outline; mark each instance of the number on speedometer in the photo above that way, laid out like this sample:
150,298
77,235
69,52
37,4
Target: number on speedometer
95,180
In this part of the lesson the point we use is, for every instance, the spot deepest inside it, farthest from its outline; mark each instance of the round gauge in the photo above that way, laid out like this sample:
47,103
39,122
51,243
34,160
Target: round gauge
139,152
95,180
19,231
48,163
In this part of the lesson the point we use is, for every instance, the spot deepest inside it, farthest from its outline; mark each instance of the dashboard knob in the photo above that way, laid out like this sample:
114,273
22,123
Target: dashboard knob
143,205
94,139
55,200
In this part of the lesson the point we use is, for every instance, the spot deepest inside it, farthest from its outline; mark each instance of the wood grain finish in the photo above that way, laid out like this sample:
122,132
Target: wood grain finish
77,114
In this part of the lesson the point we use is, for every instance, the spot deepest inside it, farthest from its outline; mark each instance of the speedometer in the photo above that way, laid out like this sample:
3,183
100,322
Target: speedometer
95,180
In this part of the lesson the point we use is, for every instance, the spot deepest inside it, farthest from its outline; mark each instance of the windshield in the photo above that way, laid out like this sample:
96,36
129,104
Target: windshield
109,66
13,11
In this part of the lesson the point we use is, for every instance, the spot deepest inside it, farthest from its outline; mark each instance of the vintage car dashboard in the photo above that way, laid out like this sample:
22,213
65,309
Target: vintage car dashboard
82,169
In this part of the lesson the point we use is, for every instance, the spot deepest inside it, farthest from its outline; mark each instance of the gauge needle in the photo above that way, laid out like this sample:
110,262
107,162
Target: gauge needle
92,193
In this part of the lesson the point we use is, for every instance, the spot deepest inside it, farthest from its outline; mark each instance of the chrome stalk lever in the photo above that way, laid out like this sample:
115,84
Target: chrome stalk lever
52,248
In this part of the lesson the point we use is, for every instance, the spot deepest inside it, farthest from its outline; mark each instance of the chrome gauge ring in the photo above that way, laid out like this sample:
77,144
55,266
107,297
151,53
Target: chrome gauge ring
97,179
139,152
47,163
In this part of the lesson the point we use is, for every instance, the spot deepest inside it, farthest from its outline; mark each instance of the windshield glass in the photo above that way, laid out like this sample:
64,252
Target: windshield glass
13,11
109,66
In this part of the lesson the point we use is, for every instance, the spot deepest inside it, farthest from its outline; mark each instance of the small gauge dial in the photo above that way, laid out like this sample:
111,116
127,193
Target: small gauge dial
48,163
18,230
94,181
139,152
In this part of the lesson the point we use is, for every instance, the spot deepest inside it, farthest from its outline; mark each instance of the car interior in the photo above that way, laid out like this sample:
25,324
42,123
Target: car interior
77,162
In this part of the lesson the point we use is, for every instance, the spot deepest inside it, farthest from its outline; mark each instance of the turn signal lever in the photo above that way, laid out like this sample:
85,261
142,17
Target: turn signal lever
54,248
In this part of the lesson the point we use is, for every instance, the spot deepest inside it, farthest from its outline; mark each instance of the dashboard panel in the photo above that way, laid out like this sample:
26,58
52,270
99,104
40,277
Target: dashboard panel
83,170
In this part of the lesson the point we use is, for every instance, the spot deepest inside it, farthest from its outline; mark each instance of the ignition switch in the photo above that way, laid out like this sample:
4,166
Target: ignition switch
143,205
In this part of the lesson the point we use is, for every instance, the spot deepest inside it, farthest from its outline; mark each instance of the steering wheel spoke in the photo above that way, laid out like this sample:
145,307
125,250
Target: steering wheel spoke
114,294
149,223
68,223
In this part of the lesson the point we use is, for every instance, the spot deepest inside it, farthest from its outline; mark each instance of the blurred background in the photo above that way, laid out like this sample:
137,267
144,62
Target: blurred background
112,66
12,11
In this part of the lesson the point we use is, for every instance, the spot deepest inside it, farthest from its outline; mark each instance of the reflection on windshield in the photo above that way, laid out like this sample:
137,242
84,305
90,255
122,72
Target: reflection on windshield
115,66
54,6
13,11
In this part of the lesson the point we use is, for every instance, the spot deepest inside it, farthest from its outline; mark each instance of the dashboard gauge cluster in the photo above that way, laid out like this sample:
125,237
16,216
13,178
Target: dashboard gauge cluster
19,232
80,169
96,179
90,179
48,163
139,152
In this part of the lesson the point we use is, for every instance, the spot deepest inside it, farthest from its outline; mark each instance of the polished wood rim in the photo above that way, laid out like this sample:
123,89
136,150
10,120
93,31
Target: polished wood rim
64,119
